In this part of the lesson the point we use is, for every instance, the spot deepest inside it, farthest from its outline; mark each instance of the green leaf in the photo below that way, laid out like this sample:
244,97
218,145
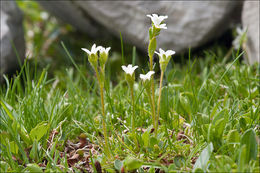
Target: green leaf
242,158
224,159
185,103
153,141
224,163
152,47
146,138
220,127
242,123
219,115
32,168
151,170
8,110
118,165
39,131
249,140
4,137
13,147
179,161
172,167
4,166
204,158
164,104
214,111
211,133
34,151
21,130
198,170
150,33
131,163
233,136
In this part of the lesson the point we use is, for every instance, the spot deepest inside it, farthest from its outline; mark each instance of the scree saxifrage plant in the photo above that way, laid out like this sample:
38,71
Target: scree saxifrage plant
208,112
98,62
154,30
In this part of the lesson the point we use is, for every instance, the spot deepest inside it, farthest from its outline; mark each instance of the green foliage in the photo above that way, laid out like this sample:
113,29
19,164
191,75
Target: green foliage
201,163
249,141
39,131
32,168
152,47
131,163
209,116
32,105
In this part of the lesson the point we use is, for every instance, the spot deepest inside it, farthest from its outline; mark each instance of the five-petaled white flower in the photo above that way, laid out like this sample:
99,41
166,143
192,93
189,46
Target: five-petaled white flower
146,76
103,55
94,49
240,38
103,50
165,54
129,69
165,57
157,20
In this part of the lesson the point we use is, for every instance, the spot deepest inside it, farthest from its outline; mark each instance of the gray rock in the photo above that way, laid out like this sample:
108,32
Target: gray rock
250,20
11,35
70,13
190,24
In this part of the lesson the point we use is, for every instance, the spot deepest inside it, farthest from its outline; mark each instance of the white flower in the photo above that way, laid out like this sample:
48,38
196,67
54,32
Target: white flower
147,76
165,57
129,69
165,54
44,15
94,49
104,50
239,38
103,55
157,20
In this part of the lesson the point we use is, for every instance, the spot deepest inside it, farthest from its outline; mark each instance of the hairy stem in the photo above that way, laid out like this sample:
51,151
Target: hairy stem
103,114
133,110
152,91
133,116
159,101
153,110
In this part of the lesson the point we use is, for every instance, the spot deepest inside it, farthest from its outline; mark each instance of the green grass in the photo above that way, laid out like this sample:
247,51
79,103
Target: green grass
209,113
207,102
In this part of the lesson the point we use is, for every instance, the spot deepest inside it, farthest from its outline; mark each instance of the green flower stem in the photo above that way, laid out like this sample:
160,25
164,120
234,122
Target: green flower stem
159,101
148,91
153,95
133,115
101,86
133,109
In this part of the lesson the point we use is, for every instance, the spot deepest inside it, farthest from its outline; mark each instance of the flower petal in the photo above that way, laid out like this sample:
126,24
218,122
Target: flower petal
86,50
135,67
163,26
124,68
93,48
157,53
161,51
148,15
162,17
169,53
150,73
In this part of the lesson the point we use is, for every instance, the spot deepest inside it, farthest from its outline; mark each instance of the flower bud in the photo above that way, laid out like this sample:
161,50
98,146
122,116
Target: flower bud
103,55
165,57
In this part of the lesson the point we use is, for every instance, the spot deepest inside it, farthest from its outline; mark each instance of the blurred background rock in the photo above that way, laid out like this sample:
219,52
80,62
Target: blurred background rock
197,25
12,37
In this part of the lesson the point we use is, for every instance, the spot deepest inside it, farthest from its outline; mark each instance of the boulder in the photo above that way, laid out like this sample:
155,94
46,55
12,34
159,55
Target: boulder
12,35
190,24
250,21
71,13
